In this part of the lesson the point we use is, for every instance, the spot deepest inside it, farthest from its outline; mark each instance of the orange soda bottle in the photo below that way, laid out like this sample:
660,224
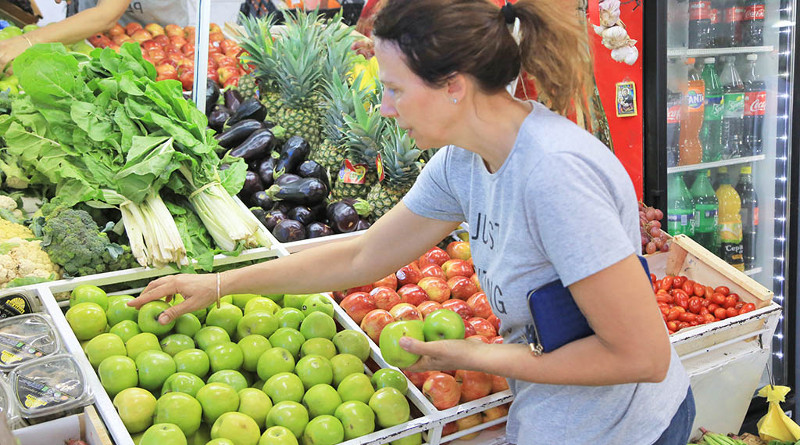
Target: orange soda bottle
691,150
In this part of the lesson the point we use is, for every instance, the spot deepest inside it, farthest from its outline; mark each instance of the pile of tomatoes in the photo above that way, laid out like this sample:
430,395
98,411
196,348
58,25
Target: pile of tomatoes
684,303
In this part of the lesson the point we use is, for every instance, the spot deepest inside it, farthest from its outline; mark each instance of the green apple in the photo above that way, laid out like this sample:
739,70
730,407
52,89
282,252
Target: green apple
217,399
104,346
278,435
136,407
220,441
235,379
211,335
284,386
202,436
187,324
357,418
200,313
117,373
273,361
241,300
175,343
345,364
163,434
225,356
388,377
443,324
125,330
291,415
317,303
261,323
118,310
356,387
258,384
414,439
318,346
253,346
318,325
352,342
154,368
148,318
87,320
87,293
183,382
287,338
140,343
179,409
255,404
390,406
294,300
237,427
290,317
313,370
321,399
390,342
137,438
193,361
323,430
226,316
261,304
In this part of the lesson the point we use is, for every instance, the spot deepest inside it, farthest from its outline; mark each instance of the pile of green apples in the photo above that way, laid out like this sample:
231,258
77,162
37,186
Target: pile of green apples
255,370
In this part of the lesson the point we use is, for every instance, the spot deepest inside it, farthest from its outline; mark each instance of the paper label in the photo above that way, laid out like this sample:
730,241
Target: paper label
734,14
755,103
353,174
379,167
754,12
700,10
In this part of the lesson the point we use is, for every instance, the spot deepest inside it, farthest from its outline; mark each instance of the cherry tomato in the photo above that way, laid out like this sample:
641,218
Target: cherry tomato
699,290
678,281
686,317
720,313
682,324
694,323
653,278
712,307
735,296
695,304
706,302
730,302
718,299
666,282
739,305
675,313
748,307
664,298
672,326
710,318
681,300
688,287
722,290
703,311
731,312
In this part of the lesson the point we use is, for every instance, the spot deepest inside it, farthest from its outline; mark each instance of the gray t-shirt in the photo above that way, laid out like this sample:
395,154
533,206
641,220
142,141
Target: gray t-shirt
163,12
561,206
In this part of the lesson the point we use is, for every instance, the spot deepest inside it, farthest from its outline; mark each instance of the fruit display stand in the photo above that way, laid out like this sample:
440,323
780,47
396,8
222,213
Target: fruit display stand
85,426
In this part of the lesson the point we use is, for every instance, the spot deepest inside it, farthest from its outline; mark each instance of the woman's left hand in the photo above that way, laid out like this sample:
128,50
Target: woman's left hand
441,355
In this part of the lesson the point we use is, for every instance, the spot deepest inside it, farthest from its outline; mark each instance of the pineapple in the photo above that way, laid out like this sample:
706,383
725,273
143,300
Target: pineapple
258,43
401,167
247,86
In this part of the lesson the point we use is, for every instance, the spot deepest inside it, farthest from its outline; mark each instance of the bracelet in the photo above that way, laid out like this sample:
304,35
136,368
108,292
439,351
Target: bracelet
218,290
27,40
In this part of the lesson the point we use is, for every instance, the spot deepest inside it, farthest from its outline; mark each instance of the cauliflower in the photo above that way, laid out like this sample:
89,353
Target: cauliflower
9,230
9,205
22,259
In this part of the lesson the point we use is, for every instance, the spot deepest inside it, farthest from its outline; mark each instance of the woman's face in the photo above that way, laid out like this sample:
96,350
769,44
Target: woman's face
427,113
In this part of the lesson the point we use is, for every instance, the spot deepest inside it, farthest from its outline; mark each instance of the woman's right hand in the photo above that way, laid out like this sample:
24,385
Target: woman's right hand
198,291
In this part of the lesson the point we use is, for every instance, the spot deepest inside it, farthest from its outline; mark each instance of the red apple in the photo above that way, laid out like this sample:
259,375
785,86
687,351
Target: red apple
405,311
474,279
496,340
339,295
432,270
189,30
149,44
442,390
413,294
455,268
408,274
116,30
188,49
166,71
479,338
494,413
155,29
158,56
141,35
173,30
480,305
365,288
216,56
435,256
187,79
461,287
228,61
215,37
357,305
132,27
226,73
468,422
114,47
469,331
374,322
499,384
482,327
384,297
426,307
459,250
417,378
458,306
228,45
436,288
389,281
474,384
212,74
449,428
212,64
494,321
162,40
178,41
119,39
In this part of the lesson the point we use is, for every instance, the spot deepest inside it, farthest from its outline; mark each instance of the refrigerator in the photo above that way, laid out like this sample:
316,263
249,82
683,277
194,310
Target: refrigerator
681,36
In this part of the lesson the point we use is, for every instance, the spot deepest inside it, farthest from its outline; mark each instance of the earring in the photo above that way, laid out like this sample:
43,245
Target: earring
455,101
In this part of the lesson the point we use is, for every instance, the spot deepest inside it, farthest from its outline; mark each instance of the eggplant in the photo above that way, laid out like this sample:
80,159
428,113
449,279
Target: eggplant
257,146
293,153
260,214
289,230
362,224
282,206
212,95
273,217
232,99
362,206
261,199
217,117
252,184
318,229
318,211
269,124
342,217
287,179
248,109
306,191
310,169
302,214
236,134
265,169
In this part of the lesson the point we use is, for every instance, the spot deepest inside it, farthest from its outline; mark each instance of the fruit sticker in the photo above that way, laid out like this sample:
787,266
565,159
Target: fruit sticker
379,167
353,174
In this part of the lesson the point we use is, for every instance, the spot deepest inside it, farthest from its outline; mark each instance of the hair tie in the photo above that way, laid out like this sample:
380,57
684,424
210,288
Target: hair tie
508,13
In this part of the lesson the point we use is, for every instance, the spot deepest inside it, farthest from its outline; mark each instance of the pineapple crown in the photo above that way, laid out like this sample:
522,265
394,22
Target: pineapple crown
363,133
257,41
400,156
340,102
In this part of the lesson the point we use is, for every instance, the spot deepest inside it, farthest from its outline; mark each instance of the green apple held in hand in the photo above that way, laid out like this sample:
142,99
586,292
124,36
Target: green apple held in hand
318,346
118,310
148,318
237,427
323,430
182,382
209,336
255,404
274,361
136,407
140,343
290,339
260,323
313,370
117,373
235,379
321,399
253,346
104,346
180,409
200,314
261,304
352,342
318,325
390,338
125,330
278,435
193,361
284,386
217,399
357,418
163,434
443,324
225,356
356,387
154,368
390,406
317,302
227,317
87,320
187,324
175,343
343,365
87,293
288,414
388,377
290,317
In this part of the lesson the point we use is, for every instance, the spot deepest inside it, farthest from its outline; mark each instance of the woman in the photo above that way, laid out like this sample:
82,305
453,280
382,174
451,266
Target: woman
526,180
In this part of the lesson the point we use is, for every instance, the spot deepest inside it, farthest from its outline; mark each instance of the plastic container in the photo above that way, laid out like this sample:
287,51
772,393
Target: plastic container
7,407
49,388
25,338
14,302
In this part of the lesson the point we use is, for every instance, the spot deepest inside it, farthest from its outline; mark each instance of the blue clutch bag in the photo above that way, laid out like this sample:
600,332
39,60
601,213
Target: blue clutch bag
556,318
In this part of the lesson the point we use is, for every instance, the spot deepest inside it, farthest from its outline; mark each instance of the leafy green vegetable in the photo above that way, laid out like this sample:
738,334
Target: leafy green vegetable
27,281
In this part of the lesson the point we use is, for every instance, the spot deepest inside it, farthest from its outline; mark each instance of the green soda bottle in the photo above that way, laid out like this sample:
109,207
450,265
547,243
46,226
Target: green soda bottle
680,207
706,207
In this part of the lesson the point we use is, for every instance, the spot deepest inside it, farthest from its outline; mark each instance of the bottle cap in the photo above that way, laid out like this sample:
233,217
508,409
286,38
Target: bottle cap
709,60
746,170
752,57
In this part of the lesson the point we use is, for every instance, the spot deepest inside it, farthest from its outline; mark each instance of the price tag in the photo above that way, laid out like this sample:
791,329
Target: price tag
353,174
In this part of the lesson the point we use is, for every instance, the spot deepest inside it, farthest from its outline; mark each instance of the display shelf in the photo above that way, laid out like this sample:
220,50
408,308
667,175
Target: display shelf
753,271
715,164
713,52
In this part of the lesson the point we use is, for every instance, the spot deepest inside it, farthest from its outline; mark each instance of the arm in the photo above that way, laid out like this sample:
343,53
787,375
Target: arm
397,238
630,342
72,29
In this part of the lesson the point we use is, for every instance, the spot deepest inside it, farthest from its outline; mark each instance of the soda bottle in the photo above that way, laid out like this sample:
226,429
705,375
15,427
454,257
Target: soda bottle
749,214
733,114
729,227
711,132
673,128
716,179
733,15
753,23
755,107
691,151
706,207
717,13
699,23
680,208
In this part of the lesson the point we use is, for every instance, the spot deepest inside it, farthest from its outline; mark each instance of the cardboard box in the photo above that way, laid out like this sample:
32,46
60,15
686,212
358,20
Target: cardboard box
86,426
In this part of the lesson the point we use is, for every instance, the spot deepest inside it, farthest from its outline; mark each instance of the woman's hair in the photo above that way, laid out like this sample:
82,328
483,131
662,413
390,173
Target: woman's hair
442,37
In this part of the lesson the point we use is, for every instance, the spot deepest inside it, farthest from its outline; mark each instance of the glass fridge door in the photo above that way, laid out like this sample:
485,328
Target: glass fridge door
729,86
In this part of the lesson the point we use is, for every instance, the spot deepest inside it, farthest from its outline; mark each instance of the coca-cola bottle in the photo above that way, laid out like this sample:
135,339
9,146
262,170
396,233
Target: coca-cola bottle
755,106
734,13
733,106
749,214
674,101
753,23
717,18
699,23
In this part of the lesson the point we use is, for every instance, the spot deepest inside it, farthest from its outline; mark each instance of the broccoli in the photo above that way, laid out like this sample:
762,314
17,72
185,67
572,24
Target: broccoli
73,240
